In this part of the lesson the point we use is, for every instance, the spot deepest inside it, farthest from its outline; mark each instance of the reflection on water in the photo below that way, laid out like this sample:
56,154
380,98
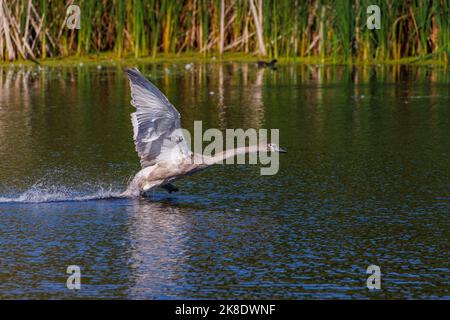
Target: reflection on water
366,181
159,249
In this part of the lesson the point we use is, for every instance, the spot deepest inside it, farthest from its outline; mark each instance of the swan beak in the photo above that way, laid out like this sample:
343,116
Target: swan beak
281,150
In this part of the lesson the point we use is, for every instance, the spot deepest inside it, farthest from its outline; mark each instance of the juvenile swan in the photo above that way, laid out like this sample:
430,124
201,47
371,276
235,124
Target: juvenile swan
165,155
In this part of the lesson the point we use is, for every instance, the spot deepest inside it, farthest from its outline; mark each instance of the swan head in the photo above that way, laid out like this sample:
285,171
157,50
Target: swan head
275,148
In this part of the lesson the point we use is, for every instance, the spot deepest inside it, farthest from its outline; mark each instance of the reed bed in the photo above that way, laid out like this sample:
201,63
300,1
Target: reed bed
327,30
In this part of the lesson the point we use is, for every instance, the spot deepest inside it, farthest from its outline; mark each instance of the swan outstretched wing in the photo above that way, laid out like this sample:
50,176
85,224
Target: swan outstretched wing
156,123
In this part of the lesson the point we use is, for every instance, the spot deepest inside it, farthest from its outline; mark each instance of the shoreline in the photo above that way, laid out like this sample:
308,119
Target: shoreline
109,59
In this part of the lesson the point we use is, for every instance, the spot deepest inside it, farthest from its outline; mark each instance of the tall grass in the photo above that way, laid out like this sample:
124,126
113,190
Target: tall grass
327,29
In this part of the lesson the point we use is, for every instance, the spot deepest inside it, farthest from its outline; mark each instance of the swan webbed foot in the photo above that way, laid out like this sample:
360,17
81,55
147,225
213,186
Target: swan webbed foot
170,188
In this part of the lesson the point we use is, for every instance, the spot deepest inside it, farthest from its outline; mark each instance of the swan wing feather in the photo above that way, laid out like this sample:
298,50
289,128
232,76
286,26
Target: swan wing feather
156,123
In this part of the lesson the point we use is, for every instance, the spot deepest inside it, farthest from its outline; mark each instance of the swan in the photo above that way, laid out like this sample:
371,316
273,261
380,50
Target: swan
160,144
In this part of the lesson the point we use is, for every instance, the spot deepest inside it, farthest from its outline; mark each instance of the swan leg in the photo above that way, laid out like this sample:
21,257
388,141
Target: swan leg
169,187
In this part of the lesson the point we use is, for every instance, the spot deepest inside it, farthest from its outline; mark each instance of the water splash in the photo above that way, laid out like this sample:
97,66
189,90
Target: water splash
39,193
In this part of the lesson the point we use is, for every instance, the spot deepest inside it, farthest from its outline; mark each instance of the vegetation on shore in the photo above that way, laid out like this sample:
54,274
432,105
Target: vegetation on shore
324,31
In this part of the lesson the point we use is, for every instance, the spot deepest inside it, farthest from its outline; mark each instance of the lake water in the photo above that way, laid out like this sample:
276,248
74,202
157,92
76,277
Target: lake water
366,181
